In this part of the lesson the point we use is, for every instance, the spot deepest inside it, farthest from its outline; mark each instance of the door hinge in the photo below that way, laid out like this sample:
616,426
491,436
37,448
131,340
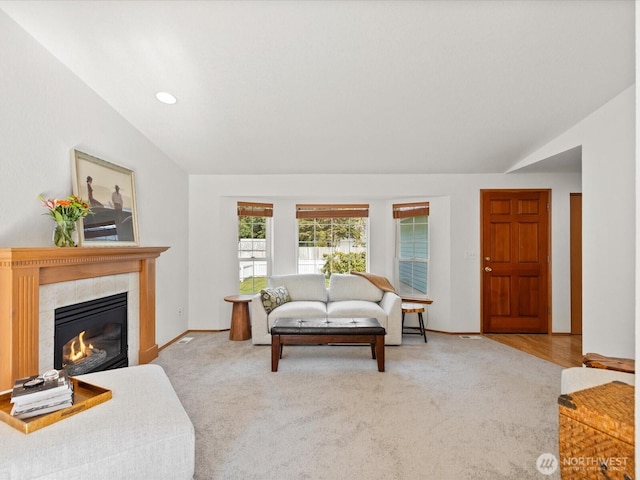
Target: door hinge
548,207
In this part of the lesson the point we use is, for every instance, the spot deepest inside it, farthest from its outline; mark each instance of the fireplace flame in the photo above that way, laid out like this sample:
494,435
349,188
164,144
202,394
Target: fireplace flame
76,355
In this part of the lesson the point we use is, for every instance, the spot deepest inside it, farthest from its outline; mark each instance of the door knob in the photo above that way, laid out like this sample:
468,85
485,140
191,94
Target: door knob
488,269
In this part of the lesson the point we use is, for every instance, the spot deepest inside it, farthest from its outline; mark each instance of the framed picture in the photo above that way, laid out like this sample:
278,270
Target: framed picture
110,192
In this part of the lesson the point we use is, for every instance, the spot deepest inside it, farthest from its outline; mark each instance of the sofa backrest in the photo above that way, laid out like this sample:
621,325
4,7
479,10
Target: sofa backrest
302,286
344,286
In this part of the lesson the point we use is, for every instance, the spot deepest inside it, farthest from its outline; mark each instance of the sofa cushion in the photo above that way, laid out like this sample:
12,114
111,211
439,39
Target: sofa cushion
301,309
303,286
344,286
273,297
356,308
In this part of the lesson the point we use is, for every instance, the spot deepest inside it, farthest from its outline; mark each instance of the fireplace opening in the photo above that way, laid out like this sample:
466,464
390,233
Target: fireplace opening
91,336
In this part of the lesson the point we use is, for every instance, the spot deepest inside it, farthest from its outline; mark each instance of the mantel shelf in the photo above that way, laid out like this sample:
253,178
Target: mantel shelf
51,256
23,270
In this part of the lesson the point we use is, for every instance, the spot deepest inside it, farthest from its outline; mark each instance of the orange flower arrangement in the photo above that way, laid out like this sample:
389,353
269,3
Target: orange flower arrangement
66,212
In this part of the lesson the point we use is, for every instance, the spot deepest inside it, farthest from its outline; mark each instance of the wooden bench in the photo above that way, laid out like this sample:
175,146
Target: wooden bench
307,331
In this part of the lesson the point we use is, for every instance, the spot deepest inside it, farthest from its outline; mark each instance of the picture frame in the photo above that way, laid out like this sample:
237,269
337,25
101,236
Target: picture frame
109,189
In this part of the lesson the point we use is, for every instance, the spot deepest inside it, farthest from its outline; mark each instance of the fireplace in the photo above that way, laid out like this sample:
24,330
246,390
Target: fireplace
91,336
24,270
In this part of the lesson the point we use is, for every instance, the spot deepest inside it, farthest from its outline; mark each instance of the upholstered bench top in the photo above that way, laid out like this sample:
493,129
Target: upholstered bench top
142,432
327,326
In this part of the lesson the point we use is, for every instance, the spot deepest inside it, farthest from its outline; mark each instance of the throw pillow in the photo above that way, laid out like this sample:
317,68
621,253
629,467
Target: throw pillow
272,298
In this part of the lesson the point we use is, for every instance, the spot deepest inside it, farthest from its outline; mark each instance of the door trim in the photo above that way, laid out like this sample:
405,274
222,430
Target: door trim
575,254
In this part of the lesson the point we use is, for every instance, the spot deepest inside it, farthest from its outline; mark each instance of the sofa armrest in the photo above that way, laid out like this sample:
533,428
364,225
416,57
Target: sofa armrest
259,324
391,303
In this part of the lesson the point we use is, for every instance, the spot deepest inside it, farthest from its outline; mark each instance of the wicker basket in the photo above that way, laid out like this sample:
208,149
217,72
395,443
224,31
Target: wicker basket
596,433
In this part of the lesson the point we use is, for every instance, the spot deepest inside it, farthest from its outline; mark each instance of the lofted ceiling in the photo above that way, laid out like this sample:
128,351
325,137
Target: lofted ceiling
273,87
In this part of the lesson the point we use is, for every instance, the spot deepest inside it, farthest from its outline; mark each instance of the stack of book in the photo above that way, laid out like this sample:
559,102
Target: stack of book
37,395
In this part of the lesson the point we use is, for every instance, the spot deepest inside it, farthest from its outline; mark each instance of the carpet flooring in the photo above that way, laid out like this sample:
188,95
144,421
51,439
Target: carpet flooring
452,408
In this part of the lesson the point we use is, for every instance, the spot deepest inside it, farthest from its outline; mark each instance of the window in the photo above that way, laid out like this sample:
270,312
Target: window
332,238
254,259
412,248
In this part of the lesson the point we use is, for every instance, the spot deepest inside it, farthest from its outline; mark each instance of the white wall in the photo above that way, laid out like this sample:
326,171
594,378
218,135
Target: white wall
637,225
607,137
45,112
454,228
608,184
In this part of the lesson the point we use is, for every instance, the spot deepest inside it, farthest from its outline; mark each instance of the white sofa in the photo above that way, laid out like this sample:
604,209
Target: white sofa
348,296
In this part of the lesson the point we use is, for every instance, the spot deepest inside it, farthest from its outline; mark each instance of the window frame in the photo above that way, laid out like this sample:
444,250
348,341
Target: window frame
255,210
402,212
321,213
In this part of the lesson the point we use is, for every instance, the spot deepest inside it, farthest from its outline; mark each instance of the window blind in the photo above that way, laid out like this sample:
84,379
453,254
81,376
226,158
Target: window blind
250,209
407,210
333,211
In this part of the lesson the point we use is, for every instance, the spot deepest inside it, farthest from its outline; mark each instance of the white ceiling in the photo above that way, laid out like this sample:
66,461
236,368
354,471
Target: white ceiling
345,86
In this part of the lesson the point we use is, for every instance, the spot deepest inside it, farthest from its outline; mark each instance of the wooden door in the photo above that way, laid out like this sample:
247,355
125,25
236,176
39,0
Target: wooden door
575,240
515,261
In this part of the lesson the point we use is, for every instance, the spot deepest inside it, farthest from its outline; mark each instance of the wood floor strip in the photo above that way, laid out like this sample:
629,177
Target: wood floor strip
563,350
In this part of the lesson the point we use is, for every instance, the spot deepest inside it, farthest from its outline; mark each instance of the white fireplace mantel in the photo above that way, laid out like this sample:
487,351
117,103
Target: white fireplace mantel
23,270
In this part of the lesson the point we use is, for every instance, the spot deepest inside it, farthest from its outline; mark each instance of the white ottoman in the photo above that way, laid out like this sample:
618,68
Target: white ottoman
142,432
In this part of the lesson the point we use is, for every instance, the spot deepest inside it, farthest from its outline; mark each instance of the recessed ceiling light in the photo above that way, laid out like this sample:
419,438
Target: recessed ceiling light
167,98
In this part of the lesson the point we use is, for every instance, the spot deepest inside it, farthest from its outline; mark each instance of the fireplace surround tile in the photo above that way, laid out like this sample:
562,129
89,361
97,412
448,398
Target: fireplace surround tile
47,298
65,293
62,294
47,321
84,287
103,286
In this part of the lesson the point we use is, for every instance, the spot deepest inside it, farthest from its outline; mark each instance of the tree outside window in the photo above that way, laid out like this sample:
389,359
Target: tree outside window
332,238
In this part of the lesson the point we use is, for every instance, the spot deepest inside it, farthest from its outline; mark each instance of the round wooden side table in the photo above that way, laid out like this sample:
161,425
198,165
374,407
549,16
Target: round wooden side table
414,308
240,322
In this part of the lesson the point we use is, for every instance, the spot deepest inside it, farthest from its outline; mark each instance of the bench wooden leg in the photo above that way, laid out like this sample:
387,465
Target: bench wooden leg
380,352
276,351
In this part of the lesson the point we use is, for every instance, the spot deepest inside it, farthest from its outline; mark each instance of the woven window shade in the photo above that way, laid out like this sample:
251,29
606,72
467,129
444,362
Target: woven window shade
406,210
248,209
332,211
